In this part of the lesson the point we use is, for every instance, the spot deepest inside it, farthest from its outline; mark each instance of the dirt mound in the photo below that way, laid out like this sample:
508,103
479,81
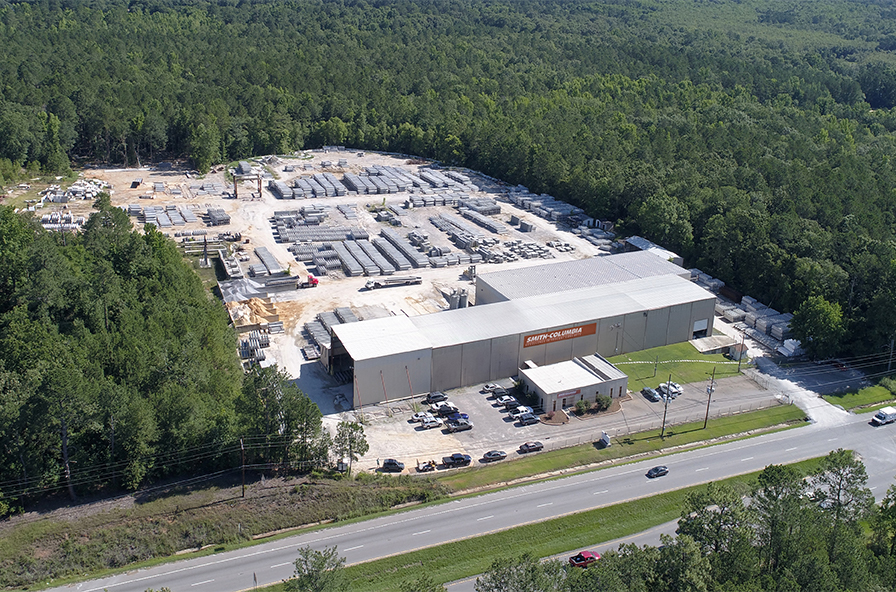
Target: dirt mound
254,311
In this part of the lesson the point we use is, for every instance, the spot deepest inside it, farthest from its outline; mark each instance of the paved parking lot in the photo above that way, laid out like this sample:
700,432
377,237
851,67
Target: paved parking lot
391,434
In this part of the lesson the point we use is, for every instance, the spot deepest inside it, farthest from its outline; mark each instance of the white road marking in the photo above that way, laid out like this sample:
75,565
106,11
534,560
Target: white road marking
485,518
703,469
543,505
422,532
600,492
281,564
748,458
200,583
353,548
790,449
831,439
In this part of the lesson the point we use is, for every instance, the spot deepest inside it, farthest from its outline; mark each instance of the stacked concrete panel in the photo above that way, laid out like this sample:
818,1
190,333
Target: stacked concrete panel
281,190
416,258
367,264
385,267
392,254
188,215
483,221
218,217
268,259
349,265
346,315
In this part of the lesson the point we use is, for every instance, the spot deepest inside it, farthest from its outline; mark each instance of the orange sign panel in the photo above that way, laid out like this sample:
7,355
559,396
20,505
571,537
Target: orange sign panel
559,335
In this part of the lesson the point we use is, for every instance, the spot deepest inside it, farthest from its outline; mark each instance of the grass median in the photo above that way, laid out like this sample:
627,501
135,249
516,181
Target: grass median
469,557
636,444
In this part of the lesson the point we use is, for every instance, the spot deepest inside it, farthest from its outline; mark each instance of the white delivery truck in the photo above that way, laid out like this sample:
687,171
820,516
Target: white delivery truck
884,416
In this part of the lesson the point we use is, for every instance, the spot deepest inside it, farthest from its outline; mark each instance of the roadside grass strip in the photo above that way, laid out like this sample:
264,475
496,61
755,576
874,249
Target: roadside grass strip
636,444
677,360
865,397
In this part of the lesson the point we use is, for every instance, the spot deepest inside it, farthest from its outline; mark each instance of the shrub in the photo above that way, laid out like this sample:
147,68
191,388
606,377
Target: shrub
603,402
889,384
581,407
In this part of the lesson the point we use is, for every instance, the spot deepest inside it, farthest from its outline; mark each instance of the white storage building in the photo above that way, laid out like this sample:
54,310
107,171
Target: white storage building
398,357
511,284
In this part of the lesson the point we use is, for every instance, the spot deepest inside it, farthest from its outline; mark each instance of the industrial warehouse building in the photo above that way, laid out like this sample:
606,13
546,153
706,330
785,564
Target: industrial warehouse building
510,284
623,310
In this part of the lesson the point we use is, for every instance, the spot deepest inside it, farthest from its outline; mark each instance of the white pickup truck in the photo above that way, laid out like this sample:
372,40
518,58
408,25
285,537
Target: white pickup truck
884,416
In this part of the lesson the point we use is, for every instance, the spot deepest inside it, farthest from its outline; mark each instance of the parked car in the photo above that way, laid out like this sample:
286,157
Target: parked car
436,406
491,387
508,402
493,455
528,419
447,410
584,559
651,394
435,397
432,422
500,392
457,460
657,472
518,411
531,447
672,389
390,465
421,416
461,425
457,416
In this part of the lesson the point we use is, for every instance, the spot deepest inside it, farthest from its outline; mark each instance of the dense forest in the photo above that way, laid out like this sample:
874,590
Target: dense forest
753,137
117,368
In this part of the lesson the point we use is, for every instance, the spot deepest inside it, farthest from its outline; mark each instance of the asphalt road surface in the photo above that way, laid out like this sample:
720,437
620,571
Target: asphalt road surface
425,527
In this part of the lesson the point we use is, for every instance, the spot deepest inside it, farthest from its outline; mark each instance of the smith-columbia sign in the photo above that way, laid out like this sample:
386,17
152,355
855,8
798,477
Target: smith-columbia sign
560,335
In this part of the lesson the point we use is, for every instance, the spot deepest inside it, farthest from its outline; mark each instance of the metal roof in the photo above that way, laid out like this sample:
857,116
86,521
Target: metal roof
382,337
651,247
562,376
377,338
581,273
536,313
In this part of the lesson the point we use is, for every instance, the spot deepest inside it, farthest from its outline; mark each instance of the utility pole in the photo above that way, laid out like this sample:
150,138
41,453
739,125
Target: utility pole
666,407
709,390
243,463
655,364
740,354
890,363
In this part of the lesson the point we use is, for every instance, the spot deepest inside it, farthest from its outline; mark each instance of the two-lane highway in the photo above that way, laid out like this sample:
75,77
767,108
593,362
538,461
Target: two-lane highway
424,527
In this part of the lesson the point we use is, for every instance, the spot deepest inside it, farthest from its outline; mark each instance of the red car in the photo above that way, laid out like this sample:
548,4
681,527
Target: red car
584,559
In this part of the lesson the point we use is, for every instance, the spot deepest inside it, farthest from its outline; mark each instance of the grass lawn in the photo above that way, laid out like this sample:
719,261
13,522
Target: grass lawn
867,396
469,557
635,444
681,360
